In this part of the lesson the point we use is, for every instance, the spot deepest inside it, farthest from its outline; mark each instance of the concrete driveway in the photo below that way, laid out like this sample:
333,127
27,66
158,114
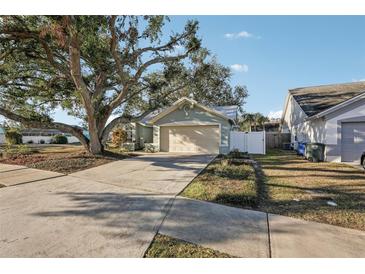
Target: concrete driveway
162,173
116,209
112,210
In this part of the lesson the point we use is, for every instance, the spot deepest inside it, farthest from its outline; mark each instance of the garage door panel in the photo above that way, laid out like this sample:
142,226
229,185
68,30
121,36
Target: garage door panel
352,141
202,139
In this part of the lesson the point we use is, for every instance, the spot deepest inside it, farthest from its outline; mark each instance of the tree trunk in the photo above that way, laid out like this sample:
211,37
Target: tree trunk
95,146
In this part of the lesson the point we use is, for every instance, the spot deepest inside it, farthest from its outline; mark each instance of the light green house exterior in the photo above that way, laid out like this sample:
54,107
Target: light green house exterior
176,121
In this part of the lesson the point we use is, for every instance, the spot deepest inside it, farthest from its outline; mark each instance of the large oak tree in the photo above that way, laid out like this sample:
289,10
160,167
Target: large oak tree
96,66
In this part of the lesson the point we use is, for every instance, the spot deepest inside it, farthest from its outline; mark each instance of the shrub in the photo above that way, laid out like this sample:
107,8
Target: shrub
127,147
59,139
237,154
16,150
13,137
151,147
119,136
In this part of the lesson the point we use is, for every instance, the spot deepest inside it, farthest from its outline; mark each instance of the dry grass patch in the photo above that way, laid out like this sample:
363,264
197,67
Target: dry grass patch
168,247
228,181
302,189
61,158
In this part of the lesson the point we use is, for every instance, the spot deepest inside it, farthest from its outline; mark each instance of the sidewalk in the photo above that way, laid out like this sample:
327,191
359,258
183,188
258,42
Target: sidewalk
248,233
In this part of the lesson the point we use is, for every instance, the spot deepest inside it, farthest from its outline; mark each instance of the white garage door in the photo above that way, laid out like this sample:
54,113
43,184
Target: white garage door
201,139
352,141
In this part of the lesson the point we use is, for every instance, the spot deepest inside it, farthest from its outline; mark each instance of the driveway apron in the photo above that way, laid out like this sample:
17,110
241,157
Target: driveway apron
160,173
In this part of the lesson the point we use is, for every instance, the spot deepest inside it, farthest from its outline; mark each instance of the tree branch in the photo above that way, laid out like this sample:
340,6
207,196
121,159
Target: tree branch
121,120
75,131
75,66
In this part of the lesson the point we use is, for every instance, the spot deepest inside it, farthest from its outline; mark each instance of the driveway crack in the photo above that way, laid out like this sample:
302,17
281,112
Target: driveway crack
268,234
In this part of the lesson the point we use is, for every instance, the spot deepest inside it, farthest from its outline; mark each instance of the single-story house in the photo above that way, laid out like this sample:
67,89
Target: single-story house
186,126
333,115
273,125
38,135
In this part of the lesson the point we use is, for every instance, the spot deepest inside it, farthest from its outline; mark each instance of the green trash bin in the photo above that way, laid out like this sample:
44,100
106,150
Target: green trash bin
314,152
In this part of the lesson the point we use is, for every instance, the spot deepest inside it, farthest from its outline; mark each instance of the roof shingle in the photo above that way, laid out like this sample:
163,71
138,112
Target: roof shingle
316,99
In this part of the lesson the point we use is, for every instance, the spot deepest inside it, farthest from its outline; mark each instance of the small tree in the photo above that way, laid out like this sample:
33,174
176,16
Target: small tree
252,121
13,136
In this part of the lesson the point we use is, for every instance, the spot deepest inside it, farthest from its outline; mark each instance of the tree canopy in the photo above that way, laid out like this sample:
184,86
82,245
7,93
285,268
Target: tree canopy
96,66
252,121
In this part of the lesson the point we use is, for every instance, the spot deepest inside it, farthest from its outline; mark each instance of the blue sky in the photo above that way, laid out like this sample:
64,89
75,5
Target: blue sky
271,54
282,52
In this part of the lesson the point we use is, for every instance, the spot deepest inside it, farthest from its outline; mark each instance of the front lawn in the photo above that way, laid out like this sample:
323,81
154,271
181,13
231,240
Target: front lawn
332,193
227,180
167,247
286,184
59,158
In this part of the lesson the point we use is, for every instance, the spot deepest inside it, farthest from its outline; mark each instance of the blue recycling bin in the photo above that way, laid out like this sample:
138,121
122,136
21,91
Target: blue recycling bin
301,149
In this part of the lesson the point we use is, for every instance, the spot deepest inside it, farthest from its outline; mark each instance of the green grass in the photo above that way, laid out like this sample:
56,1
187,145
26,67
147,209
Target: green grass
301,189
227,181
167,247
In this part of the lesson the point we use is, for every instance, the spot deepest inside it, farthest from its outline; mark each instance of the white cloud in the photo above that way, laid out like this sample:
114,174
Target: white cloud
275,114
241,34
358,80
244,34
229,35
239,67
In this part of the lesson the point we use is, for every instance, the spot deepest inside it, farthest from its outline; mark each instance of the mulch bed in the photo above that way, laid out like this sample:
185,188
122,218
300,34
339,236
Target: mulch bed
62,162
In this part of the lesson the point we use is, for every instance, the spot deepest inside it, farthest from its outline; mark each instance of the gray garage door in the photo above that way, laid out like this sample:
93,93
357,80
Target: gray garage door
353,141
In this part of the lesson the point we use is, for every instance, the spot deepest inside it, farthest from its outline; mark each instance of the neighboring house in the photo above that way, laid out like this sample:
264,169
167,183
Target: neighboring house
2,136
330,114
37,135
186,126
273,125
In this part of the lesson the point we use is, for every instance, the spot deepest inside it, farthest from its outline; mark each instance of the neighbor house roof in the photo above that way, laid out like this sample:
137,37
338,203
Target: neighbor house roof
316,99
228,112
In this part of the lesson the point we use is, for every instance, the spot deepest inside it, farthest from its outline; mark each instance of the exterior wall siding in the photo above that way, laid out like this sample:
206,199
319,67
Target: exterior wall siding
310,131
294,117
351,113
144,134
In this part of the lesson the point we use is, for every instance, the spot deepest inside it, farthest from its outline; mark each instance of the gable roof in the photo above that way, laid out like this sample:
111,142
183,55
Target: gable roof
316,99
225,112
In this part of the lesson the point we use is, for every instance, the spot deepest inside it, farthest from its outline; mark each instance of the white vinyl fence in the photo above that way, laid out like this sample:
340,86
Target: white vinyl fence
250,142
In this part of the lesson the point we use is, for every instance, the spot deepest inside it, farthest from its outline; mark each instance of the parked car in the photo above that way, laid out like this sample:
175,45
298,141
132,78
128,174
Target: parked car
363,160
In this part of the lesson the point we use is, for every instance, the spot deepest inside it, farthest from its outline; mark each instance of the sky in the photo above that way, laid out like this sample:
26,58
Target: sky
271,54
